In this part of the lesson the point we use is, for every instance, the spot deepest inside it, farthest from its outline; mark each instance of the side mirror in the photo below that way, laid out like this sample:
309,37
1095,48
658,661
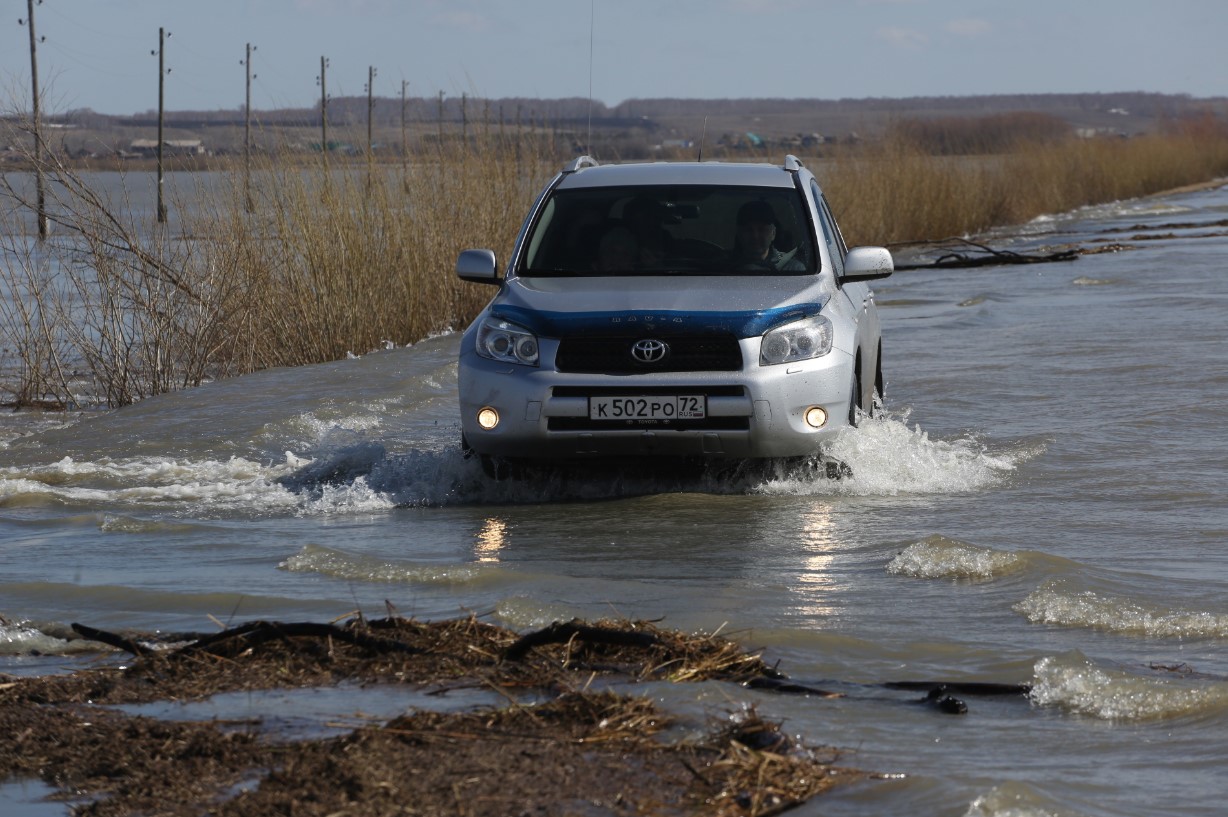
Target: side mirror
477,266
867,264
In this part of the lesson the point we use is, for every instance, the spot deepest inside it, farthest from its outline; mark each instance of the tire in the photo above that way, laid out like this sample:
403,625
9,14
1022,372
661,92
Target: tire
495,468
855,399
879,400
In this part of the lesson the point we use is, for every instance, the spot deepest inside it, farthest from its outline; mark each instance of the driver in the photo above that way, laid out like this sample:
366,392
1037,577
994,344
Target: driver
756,230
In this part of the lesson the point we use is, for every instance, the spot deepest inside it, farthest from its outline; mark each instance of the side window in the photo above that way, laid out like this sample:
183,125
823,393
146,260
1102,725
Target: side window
835,228
835,246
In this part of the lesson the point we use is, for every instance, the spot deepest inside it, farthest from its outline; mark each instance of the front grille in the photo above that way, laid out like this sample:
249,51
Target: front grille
612,355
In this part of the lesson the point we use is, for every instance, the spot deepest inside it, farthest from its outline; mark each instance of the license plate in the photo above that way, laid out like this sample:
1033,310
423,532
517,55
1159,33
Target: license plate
648,407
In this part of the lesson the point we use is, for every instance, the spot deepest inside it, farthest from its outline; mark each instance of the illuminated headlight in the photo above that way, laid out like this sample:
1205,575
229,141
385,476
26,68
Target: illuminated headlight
488,418
506,342
815,416
800,340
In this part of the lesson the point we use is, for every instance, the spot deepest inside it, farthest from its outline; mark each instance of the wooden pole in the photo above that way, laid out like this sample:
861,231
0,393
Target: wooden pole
161,115
324,111
44,224
249,203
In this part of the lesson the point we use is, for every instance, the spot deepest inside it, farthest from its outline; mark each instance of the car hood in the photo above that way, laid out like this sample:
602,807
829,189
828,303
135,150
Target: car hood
745,306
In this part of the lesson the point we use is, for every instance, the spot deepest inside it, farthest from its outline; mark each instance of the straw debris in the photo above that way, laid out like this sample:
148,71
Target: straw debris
560,746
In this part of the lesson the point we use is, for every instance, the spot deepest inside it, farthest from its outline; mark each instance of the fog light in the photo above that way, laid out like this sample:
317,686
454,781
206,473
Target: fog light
816,417
488,418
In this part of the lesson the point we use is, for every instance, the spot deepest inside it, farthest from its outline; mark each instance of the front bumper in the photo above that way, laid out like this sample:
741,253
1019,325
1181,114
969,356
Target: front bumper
758,412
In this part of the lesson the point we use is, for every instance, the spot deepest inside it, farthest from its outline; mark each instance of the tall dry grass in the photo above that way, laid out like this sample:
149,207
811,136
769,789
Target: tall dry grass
324,262
347,260
895,193
303,264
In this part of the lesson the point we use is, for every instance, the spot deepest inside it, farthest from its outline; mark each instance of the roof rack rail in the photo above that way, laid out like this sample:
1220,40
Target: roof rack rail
580,162
792,163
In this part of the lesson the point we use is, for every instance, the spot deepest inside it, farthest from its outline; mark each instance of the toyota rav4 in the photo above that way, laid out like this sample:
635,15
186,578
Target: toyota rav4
701,310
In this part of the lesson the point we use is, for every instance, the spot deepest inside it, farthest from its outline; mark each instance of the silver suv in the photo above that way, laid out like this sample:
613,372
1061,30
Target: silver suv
698,310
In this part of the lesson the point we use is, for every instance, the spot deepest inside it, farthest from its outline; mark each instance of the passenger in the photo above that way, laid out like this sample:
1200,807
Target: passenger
617,250
582,233
753,247
644,216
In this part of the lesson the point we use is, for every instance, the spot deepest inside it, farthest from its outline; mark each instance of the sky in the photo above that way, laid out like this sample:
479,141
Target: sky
101,54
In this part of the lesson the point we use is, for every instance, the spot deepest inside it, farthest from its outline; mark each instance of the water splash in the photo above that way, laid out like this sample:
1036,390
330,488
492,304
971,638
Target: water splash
350,469
158,482
25,638
889,457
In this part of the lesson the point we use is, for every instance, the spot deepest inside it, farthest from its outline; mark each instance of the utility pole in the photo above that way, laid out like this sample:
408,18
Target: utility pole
320,80
371,72
440,121
162,35
44,224
404,140
247,135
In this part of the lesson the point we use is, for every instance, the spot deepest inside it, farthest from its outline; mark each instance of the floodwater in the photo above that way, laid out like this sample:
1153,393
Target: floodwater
1042,504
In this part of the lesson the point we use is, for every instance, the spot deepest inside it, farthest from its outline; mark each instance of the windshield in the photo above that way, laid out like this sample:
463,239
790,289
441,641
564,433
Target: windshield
645,230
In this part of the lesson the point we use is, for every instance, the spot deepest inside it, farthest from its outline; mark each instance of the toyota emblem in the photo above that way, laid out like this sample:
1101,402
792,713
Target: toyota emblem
649,350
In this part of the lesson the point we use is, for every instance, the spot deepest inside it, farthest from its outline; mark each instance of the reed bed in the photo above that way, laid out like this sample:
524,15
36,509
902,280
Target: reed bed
299,263
896,193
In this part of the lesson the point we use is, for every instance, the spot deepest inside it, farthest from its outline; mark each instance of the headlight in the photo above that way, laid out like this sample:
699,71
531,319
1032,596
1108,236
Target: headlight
506,342
800,340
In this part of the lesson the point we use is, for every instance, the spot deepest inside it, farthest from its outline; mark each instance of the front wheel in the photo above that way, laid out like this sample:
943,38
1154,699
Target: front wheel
880,386
495,468
855,401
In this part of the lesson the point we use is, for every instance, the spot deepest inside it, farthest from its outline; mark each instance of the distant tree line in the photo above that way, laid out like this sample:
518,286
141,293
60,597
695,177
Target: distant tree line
388,111
1137,102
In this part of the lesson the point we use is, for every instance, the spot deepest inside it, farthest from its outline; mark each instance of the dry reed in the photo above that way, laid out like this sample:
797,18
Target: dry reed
895,193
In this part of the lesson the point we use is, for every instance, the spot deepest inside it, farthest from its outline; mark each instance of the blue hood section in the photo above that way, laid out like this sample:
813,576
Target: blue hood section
660,323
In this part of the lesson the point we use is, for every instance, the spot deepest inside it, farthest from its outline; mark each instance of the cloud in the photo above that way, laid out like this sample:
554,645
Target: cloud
902,37
969,27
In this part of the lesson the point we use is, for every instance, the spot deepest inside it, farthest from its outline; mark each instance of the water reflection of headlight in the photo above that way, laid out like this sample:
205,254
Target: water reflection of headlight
819,547
491,539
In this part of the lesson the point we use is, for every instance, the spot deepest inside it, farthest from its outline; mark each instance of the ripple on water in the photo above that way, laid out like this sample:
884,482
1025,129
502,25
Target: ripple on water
1074,683
1018,799
356,567
938,557
1056,602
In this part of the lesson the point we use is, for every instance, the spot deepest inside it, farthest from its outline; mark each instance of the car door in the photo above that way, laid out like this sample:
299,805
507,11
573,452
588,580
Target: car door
856,294
859,292
858,299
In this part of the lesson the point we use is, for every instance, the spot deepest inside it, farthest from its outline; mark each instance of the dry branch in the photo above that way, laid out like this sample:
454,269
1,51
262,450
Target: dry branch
989,257
563,632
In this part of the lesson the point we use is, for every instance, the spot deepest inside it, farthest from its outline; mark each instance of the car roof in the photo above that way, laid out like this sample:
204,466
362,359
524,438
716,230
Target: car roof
654,173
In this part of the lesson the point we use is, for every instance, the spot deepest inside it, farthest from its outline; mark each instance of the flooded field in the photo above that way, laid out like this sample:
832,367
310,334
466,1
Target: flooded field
1042,504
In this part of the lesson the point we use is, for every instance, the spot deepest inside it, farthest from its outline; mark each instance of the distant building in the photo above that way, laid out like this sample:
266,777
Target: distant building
147,148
